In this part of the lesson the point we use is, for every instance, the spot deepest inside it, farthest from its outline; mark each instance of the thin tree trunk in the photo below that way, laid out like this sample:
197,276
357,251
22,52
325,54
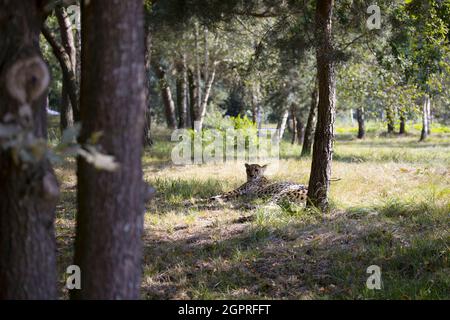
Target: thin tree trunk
193,98
310,123
182,92
425,124
148,141
319,182
300,130
281,126
205,97
294,126
66,112
66,66
68,42
390,120
402,129
28,186
108,245
166,93
361,123
198,78
429,115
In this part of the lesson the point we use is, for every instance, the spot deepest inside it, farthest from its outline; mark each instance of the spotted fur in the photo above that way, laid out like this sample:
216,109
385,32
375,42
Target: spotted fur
259,186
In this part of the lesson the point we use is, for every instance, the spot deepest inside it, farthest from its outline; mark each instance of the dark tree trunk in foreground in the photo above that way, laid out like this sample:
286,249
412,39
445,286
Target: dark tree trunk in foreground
425,124
319,181
28,187
402,129
166,93
108,246
310,123
361,123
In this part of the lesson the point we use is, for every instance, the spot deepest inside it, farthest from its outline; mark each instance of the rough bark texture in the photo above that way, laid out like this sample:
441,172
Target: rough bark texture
319,181
361,123
108,245
310,123
28,188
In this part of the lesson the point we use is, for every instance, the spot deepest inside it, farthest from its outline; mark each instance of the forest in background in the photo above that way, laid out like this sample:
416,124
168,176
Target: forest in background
86,169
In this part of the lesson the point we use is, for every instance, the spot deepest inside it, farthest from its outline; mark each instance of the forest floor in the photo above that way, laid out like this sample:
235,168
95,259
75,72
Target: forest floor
390,208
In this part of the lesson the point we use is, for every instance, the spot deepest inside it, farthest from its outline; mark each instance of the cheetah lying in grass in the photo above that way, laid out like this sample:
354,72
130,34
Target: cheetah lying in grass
258,186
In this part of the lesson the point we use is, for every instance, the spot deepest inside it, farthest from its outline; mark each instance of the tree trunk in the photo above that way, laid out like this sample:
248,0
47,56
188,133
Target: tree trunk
294,127
205,97
429,115
402,129
425,124
108,245
319,181
198,75
68,72
28,187
310,123
300,130
182,92
361,123
193,98
166,93
148,141
68,42
281,126
66,112
390,120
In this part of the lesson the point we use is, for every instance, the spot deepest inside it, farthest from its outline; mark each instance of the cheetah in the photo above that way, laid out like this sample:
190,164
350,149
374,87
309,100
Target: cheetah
259,186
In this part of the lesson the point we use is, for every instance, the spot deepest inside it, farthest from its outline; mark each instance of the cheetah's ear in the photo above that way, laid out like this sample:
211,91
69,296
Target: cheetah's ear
264,167
246,165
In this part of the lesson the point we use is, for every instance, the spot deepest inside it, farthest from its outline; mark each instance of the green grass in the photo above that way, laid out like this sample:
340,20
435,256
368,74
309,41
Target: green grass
391,208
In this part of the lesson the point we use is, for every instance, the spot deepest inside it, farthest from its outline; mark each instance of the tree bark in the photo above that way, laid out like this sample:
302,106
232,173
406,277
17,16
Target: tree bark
390,120
319,181
28,187
429,115
300,129
193,98
402,129
310,123
68,73
68,42
425,124
281,126
205,97
182,92
148,140
108,245
166,93
361,123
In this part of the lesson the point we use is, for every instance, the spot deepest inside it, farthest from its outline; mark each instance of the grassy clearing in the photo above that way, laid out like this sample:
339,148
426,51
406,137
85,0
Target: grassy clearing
391,208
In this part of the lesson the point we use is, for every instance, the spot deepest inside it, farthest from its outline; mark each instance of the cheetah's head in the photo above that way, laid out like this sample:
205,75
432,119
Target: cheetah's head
254,171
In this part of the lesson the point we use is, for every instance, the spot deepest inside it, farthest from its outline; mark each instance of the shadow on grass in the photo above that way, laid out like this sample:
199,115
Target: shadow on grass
319,260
